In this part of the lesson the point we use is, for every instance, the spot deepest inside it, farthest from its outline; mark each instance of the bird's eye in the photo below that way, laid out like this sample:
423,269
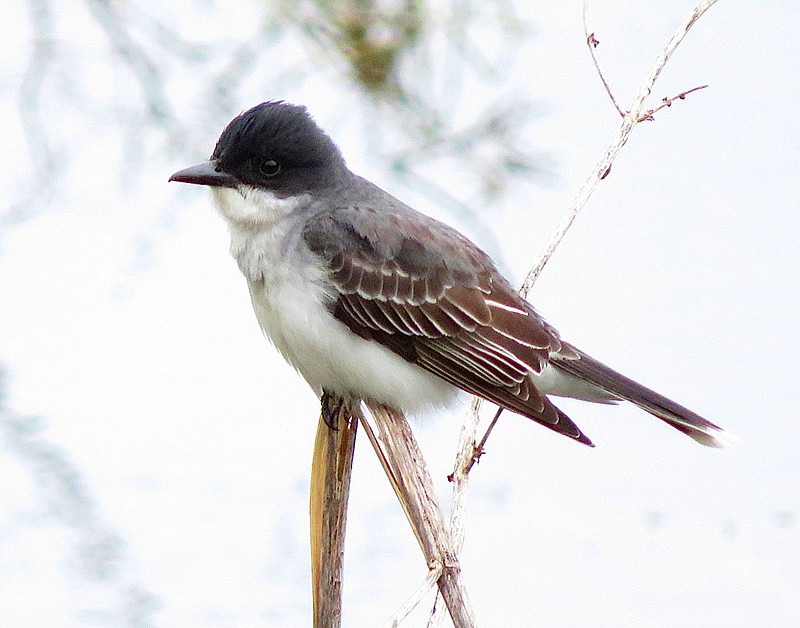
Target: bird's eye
269,167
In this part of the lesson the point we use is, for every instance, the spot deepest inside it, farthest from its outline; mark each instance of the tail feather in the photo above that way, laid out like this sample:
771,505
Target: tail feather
690,423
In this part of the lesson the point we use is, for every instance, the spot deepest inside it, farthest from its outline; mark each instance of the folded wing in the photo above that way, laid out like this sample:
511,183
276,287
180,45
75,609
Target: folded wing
446,309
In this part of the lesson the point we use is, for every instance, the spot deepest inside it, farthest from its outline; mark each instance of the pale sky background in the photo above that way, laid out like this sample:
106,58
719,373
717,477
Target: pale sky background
126,327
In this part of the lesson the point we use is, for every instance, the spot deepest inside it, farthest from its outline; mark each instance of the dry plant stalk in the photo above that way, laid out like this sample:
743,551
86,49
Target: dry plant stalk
395,445
629,120
405,467
330,488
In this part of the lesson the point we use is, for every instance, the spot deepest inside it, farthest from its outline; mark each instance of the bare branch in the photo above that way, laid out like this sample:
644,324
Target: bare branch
661,61
405,467
629,121
667,102
63,499
593,43
468,452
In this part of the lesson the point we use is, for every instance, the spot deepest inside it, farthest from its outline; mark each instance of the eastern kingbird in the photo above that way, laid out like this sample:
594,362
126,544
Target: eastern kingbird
369,299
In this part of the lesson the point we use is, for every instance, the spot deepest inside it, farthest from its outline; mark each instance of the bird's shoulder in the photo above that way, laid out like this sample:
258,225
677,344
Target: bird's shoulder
373,233
412,282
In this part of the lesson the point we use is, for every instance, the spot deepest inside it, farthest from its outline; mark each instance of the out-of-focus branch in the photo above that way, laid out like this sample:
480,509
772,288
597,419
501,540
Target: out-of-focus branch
377,40
47,170
391,53
145,69
65,499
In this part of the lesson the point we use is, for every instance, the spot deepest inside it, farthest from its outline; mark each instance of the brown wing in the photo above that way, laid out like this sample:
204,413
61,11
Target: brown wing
429,294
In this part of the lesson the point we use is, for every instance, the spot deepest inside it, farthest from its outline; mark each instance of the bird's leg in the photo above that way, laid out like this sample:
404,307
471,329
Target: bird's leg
479,449
332,408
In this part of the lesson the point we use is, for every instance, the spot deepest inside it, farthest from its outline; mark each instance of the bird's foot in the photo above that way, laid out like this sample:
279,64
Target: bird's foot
333,407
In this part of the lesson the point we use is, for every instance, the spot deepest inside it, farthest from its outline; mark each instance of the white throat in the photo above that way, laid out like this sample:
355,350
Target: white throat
249,206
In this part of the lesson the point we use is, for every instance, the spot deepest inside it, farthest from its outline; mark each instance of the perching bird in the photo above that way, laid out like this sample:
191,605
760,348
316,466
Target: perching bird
370,299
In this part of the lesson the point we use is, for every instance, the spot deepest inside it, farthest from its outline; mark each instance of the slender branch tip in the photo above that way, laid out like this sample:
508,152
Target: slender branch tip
648,116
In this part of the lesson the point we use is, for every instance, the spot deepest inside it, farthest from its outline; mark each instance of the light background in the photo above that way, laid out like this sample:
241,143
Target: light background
125,325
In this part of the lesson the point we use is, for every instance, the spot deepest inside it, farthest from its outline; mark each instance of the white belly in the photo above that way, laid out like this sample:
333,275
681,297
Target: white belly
329,356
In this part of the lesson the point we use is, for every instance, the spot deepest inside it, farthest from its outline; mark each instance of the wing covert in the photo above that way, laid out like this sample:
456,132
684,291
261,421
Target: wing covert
433,297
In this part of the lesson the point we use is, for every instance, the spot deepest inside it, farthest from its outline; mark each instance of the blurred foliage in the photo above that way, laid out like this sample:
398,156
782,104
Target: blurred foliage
415,63
372,38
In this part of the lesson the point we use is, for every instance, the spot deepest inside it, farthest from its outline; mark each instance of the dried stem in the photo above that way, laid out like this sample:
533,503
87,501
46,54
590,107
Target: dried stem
413,601
629,121
405,466
330,488
467,449
593,43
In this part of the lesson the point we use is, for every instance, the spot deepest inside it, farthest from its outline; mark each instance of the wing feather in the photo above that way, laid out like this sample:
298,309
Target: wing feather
446,309
427,293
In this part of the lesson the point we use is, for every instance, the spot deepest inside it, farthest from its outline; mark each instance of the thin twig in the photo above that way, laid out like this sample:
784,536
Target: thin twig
464,456
413,601
467,450
593,43
669,49
629,121
479,449
667,102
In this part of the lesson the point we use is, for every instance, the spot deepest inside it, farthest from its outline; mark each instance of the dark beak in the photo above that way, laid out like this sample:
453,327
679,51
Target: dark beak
206,173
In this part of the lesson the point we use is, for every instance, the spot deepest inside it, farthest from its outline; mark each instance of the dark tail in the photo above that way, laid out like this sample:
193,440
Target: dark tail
693,425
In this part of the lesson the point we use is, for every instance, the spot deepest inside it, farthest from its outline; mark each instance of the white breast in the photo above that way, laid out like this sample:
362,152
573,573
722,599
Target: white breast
290,292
